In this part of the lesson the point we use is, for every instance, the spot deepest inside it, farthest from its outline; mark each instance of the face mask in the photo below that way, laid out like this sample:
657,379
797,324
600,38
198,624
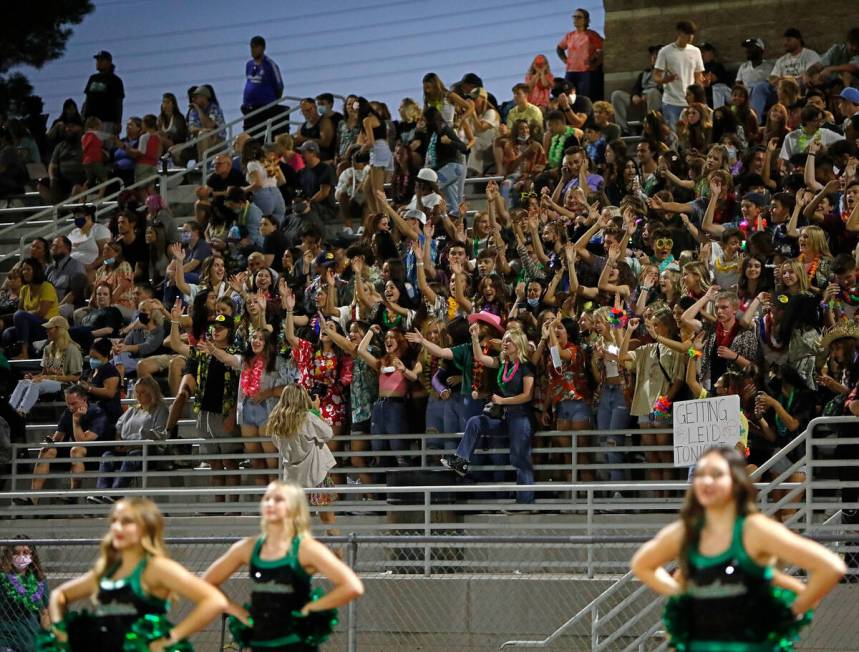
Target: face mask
572,97
80,221
109,261
143,318
322,110
732,152
533,303
185,237
20,562
522,139
95,363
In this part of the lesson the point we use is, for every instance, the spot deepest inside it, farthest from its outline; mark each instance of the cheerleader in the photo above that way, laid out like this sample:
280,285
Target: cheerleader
284,615
727,594
130,586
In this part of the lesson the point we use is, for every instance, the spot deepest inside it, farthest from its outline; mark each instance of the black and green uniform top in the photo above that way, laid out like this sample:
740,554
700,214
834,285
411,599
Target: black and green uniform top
125,619
730,604
280,587
121,603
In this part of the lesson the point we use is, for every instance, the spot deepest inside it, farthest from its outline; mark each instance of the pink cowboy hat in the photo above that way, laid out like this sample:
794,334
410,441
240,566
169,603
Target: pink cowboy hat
487,318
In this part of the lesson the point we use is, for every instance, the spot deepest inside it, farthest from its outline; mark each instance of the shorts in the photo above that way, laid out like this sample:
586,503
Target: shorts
380,156
319,498
784,464
254,414
361,427
95,173
210,425
163,361
573,411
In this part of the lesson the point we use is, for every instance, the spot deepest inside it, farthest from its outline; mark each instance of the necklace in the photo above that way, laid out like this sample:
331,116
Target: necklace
27,592
503,376
812,266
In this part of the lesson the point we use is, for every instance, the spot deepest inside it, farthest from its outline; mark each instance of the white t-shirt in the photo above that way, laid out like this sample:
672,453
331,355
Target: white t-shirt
262,175
85,246
429,201
749,75
797,142
682,62
795,64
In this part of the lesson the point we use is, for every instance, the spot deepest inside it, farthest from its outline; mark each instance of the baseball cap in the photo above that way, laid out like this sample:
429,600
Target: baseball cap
850,94
428,174
309,146
103,54
415,214
202,90
221,321
57,322
326,259
706,45
471,78
753,42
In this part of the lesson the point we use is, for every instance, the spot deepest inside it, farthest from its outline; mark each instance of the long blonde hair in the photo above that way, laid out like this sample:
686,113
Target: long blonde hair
151,523
520,340
298,512
818,241
149,383
289,414
60,344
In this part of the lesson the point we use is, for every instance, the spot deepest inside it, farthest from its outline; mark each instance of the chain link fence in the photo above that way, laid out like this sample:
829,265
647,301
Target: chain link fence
473,593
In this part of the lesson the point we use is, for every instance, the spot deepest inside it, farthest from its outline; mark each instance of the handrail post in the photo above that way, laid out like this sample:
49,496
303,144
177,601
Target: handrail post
352,608
427,532
590,524
809,515
574,465
144,467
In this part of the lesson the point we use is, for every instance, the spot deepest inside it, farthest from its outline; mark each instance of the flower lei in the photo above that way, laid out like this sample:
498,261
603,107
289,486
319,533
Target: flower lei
503,376
662,406
451,308
617,318
251,377
477,374
812,266
27,593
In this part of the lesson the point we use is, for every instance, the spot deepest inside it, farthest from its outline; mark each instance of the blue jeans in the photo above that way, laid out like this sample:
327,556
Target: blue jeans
613,414
27,393
762,96
27,328
516,425
109,465
583,81
449,183
270,202
435,420
389,418
671,114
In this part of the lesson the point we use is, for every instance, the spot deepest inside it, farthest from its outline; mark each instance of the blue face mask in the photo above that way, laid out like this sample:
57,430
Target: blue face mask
533,302
95,363
80,221
185,237
109,261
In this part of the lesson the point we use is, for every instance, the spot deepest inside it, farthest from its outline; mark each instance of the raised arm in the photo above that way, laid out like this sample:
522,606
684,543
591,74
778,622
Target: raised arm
426,291
434,349
479,356
692,311
179,269
364,346
289,303
406,229
707,225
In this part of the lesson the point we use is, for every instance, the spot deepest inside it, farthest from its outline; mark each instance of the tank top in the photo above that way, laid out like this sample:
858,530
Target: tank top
393,384
120,603
280,586
722,589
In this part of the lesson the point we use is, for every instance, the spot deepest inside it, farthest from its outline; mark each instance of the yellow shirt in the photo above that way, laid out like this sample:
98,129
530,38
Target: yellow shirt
31,302
531,114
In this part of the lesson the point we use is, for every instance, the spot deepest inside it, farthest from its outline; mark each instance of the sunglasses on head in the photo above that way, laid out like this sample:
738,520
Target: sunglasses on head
664,243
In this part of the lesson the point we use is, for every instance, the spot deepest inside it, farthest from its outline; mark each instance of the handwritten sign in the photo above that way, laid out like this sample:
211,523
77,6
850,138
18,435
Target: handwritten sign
703,423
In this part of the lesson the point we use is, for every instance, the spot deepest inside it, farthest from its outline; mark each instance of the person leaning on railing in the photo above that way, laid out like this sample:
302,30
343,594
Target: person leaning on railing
81,422
142,421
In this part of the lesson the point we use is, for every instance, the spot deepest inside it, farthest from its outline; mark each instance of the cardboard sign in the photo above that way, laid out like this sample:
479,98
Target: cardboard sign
701,424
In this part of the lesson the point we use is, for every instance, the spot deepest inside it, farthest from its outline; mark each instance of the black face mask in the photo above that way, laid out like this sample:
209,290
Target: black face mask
143,318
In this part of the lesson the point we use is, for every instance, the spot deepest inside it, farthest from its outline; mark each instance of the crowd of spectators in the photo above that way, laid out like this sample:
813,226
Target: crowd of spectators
599,280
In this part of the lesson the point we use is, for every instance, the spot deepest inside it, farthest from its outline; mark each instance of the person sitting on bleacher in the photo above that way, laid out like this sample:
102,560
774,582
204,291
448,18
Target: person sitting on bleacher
104,320
61,363
37,302
142,421
101,379
142,341
80,422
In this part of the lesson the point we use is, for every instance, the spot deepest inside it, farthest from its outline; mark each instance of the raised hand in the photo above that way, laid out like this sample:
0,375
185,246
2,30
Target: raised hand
176,310
176,251
414,337
289,300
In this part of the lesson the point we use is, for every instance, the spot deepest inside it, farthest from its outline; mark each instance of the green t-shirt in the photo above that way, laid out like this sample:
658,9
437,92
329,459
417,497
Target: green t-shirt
463,360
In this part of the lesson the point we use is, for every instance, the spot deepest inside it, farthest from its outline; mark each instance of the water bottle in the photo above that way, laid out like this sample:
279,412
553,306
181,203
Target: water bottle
130,392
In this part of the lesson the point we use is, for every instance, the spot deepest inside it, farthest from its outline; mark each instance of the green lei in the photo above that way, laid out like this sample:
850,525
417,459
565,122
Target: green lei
31,598
556,148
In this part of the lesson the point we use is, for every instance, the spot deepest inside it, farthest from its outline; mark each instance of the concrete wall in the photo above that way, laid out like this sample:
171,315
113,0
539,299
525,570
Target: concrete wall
632,25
